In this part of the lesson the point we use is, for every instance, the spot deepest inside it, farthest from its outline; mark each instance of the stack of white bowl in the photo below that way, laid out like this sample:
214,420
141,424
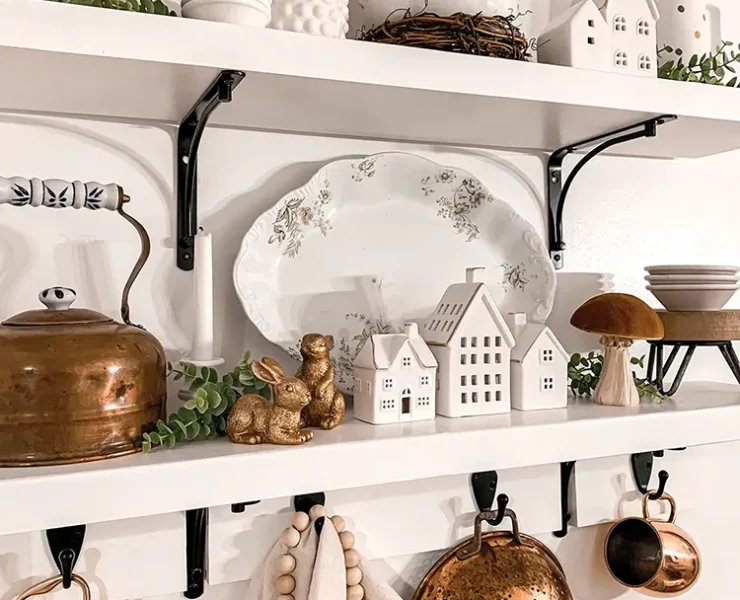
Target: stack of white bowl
693,287
242,12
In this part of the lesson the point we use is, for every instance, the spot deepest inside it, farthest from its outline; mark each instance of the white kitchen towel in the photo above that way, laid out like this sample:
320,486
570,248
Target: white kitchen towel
320,573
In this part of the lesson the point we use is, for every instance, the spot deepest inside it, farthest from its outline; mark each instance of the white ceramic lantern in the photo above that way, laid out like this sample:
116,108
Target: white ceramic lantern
691,26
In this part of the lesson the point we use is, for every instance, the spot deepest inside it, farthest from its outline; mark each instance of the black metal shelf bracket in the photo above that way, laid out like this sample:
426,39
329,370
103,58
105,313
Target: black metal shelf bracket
484,491
65,544
240,507
566,474
188,140
557,189
305,502
196,528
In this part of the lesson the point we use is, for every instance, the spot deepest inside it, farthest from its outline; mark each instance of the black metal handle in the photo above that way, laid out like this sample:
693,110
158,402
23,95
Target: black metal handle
65,544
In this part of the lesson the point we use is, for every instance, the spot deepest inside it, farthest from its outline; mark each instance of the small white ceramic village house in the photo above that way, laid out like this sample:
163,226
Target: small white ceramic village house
395,377
539,366
604,35
472,344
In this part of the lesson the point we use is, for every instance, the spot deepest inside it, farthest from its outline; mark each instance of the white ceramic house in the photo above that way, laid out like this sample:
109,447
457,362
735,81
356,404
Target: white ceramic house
472,344
604,35
395,376
539,366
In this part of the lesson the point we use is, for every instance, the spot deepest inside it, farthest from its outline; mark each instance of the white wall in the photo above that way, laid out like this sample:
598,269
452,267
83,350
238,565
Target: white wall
621,215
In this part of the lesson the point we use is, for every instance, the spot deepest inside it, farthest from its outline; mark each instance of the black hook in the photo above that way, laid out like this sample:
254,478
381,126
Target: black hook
642,470
305,502
566,474
65,544
196,533
484,491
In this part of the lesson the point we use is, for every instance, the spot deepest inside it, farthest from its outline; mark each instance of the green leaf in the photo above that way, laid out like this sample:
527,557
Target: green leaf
163,428
228,379
171,441
196,383
214,399
146,446
584,362
204,372
694,61
155,438
246,379
206,431
720,72
191,404
190,369
575,359
597,369
201,394
212,375
265,393
179,376
206,418
669,49
634,360
259,384
193,430
146,437
732,82
247,356
201,405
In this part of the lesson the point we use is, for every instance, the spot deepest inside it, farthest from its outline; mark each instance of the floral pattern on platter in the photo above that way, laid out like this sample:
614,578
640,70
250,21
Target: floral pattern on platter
365,168
516,277
349,348
458,201
297,215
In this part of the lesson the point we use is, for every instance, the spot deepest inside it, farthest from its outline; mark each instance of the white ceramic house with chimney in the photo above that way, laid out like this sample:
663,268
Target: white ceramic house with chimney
472,344
604,35
539,366
395,376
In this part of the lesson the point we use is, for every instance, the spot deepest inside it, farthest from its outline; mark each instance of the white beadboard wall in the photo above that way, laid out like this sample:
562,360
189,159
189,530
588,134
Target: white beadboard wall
621,215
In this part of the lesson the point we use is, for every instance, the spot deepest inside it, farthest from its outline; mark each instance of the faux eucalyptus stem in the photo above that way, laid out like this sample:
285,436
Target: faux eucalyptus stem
584,372
153,7
708,68
203,416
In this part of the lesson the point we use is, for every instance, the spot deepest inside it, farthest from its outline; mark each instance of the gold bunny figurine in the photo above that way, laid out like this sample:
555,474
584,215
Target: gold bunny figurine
326,409
256,420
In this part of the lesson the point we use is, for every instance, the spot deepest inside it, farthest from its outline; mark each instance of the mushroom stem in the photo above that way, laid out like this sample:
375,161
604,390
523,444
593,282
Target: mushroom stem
616,385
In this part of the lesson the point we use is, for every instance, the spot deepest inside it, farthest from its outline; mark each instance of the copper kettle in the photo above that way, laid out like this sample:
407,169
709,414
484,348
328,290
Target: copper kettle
74,384
496,565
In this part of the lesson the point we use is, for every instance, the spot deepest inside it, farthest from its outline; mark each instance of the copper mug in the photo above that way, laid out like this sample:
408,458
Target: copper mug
656,557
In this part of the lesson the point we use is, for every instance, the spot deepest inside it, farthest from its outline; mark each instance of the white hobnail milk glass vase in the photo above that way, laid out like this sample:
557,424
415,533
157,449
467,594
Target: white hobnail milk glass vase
329,18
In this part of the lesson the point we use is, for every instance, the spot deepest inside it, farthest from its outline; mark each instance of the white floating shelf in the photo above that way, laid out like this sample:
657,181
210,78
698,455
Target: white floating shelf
80,61
357,455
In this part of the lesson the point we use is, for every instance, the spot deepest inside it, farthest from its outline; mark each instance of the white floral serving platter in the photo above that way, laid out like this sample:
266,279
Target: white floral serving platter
371,243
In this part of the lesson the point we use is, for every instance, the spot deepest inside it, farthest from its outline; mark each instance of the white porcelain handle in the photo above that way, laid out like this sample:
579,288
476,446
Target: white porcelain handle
57,193
57,298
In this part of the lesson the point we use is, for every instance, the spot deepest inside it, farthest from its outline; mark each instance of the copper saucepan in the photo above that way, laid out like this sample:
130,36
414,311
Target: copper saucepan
656,557
496,565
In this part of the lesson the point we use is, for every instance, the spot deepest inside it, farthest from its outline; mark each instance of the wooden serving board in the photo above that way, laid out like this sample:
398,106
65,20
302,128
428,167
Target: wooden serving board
709,326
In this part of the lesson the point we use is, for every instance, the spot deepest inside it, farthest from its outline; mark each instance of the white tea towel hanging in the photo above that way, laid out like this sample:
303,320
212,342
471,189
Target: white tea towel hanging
304,565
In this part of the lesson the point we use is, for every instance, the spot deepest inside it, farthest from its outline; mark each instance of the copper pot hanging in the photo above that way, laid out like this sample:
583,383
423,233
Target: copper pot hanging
75,385
496,565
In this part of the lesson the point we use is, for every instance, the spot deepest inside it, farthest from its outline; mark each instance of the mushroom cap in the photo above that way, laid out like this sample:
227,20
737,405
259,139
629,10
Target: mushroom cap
618,315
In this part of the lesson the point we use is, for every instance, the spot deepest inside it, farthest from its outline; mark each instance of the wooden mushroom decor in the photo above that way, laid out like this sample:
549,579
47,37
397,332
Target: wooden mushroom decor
619,319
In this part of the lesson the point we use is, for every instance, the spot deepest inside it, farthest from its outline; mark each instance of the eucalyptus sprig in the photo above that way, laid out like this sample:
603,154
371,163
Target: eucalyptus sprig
708,68
203,416
584,373
153,7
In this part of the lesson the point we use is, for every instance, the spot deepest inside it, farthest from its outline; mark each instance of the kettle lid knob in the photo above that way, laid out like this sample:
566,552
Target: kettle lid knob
57,298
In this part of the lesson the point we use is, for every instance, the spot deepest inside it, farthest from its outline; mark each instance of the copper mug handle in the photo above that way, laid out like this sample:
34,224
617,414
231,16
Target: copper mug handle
667,497
57,193
48,585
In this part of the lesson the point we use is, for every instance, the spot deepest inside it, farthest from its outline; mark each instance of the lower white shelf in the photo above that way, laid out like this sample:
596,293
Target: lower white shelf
358,455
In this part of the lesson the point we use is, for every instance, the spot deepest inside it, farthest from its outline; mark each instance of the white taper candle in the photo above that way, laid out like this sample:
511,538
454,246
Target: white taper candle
203,343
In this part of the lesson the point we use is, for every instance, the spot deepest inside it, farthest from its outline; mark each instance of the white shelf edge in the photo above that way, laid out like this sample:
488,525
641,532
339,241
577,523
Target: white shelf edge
357,455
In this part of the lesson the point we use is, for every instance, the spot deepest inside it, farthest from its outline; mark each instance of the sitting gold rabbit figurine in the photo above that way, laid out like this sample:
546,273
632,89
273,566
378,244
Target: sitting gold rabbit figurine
326,409
256,420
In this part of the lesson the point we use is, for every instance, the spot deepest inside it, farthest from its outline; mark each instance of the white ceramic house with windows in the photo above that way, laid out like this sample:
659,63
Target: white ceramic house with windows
604,35
472,344
539,366
395,376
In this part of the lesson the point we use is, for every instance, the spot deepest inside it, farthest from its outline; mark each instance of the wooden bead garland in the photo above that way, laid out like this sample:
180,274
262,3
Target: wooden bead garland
291,537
